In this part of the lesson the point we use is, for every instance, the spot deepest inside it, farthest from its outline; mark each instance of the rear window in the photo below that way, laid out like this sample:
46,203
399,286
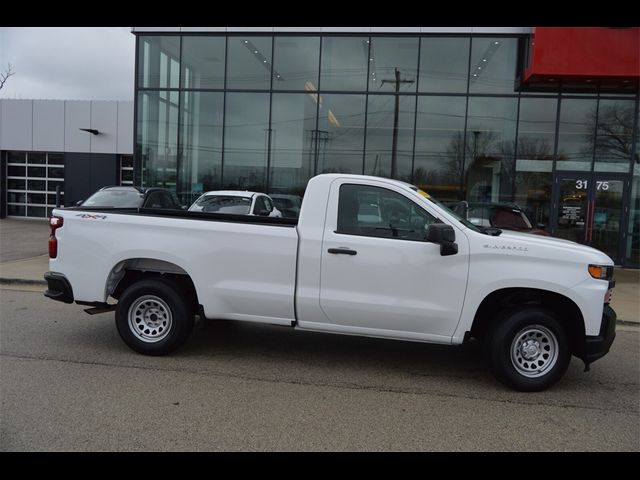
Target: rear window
114,198
223,204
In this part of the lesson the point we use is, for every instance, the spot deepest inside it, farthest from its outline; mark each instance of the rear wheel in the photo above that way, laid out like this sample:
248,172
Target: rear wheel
528,349
152,318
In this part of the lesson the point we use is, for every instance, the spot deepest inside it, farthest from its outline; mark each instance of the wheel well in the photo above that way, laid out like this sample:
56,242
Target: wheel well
565,309
130,271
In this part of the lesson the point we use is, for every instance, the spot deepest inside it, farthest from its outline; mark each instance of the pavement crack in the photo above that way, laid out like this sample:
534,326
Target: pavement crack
338,385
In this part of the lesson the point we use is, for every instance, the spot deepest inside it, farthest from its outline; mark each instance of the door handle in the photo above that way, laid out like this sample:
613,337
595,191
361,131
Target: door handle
342,251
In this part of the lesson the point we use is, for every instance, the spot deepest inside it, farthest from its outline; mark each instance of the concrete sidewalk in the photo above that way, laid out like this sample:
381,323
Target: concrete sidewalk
33,261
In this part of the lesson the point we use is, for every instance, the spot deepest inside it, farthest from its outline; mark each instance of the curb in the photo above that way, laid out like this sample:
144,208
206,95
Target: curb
21,281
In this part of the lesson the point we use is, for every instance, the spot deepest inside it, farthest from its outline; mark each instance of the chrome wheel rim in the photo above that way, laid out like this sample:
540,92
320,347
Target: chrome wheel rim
534,351
150,319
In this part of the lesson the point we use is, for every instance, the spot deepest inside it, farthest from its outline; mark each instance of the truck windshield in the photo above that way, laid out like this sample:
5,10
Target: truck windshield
429,198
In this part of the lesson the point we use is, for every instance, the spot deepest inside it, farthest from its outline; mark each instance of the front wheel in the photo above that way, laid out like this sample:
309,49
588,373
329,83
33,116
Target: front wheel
528,349
152,318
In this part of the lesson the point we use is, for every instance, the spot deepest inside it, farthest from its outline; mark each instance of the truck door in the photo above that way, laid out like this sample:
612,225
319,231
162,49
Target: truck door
378,274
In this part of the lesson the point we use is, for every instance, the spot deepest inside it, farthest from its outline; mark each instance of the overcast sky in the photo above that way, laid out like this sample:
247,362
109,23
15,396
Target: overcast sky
68,63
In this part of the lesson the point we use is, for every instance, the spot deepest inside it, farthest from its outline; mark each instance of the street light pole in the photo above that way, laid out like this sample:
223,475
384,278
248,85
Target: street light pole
396,112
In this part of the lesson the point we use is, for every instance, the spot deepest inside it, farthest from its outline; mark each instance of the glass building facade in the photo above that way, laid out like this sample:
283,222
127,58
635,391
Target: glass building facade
266,112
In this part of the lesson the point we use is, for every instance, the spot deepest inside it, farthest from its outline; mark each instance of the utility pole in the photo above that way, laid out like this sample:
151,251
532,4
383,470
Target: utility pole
394,146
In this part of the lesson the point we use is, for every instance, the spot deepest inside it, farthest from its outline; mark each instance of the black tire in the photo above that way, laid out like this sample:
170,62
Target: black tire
153,318
527,349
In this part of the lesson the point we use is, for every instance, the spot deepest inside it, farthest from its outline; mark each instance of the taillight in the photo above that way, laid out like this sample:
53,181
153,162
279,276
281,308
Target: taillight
55,223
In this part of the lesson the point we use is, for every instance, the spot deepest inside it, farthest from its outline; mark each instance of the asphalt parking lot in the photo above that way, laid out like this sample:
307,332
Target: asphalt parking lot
69,383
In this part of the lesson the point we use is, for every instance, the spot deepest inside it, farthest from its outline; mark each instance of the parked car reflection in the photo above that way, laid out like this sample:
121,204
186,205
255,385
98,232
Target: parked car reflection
236,202
507,216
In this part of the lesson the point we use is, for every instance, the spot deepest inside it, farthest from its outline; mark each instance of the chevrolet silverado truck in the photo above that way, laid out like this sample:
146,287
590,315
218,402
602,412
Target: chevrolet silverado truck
367,256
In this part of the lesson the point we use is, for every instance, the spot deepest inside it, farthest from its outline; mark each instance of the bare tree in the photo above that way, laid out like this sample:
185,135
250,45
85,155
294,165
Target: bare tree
4,76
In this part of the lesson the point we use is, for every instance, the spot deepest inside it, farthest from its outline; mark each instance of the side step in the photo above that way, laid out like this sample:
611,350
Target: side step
98,307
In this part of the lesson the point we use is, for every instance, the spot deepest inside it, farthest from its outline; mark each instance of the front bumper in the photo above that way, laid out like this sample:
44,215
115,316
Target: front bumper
596,347
58,287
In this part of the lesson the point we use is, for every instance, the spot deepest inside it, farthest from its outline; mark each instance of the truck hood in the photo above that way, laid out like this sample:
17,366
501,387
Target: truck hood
594,255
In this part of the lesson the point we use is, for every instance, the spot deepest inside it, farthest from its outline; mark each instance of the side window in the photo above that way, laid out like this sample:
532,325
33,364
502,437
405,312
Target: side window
267,202
153,200
259,206
378,212
166,201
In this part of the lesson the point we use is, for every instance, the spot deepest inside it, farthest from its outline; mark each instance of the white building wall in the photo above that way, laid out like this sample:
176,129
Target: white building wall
53,126
104,118
17,124
78,115
125,128
462,30
48,125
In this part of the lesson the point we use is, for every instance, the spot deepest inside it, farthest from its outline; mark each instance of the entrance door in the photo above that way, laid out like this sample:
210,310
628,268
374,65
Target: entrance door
588,209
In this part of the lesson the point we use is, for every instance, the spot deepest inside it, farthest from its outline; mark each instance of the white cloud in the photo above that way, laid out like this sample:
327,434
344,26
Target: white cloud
68,63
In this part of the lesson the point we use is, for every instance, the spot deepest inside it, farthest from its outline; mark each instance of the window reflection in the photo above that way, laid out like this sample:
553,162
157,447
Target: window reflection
340,134
389,147
249,63
296,63
203,62
439,145
293,127
444,64
614,135
489,153
393,64
534,160
493,65
246,137
158,137
158,61
344,63
200,144
575,134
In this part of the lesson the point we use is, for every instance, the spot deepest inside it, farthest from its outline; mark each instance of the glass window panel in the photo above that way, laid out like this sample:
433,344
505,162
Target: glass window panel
16,210
200,144
632,252
293,135
393,64
16,157
444,64
575,134
296,63
203,62
246,139
490,149
38,185
16,171
15,184
126,176
34,158
37,171
36,212
16,197
389,147
55,158
249,63
344,63
158,60
614,135
439,150
56,172
158,137
39,198
126,161
534,161
340,133
493,65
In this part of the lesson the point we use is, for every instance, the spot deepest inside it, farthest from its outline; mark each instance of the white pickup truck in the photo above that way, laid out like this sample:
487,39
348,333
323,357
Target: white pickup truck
367,256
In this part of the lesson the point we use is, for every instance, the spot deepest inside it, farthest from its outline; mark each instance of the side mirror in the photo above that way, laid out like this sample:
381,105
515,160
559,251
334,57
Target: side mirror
445,236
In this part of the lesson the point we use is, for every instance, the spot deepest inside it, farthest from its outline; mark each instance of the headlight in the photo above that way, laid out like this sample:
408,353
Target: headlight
601,272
